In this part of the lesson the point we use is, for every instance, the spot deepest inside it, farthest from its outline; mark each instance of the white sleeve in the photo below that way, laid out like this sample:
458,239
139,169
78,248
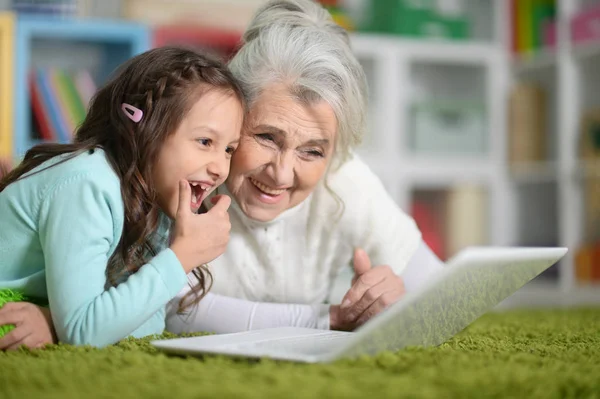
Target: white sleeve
372,219
421,267
221,314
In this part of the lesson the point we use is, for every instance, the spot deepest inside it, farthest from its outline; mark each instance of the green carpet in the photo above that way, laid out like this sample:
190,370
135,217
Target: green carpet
541,354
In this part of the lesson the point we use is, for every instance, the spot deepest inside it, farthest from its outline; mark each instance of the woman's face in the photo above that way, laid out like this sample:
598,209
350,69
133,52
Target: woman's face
283,153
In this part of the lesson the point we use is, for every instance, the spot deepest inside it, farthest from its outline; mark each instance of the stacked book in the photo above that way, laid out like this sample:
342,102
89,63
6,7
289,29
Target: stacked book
59,100
533,25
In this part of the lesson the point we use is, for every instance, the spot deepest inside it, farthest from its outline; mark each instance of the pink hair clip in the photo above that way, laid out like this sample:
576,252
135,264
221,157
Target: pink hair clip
132,112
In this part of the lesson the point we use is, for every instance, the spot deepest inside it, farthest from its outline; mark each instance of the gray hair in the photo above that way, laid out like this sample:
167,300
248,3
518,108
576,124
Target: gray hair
296,42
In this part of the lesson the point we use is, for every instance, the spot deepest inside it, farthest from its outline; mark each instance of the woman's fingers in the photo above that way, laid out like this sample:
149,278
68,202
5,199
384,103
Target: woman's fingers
379,306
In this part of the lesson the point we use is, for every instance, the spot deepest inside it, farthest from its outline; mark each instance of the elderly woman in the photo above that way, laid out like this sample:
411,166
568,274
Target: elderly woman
304,205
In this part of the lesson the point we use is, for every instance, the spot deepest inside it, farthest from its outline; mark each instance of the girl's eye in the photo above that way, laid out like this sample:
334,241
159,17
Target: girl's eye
230,150
205,142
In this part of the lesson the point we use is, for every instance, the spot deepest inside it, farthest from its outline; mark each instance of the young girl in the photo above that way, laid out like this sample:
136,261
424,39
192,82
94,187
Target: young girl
86,226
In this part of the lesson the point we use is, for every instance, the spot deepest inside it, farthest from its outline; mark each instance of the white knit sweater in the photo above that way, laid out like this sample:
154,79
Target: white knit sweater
295,258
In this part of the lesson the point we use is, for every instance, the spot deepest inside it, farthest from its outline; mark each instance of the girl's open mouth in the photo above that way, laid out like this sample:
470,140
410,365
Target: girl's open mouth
200,191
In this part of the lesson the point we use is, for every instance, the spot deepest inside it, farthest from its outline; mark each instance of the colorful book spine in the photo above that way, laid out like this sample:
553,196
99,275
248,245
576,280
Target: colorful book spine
529,25
76,106
58,92
49,101
40,111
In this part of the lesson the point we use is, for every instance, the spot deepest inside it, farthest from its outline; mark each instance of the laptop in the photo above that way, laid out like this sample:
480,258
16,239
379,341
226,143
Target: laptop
471,283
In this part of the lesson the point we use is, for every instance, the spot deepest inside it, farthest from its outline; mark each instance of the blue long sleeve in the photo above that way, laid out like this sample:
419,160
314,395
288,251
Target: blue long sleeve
77,240
66,223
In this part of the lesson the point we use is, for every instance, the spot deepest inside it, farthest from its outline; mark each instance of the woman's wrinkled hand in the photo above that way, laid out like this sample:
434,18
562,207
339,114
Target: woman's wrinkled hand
373,289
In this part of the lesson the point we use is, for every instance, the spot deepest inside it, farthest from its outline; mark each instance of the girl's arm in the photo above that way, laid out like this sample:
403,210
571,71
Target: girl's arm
79,222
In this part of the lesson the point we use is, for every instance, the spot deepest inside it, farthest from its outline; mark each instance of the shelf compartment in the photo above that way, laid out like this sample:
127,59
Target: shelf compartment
451,218
98,45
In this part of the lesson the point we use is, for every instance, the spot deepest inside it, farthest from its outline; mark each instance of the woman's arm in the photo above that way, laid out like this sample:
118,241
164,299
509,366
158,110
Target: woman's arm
221,314
77,232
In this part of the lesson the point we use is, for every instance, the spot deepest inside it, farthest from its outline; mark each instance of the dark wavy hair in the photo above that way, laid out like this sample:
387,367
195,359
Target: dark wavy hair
164,82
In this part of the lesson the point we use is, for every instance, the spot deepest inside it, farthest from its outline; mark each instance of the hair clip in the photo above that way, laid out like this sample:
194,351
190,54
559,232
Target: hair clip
132,112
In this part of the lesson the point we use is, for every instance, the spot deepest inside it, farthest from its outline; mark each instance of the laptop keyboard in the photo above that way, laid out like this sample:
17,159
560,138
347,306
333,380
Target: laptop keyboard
308,345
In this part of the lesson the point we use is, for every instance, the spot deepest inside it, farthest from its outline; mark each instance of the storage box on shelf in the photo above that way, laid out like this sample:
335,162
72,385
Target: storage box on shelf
448,107
428,19
96,46
448,128
6,80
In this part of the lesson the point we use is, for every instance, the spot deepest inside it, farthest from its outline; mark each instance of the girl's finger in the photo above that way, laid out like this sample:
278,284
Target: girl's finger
14,339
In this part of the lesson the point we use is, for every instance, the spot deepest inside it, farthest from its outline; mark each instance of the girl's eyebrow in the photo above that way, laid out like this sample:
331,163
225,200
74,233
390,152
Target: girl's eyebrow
207,129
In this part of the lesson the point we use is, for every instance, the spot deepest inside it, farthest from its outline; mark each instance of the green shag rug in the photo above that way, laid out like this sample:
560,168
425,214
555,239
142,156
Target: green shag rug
530,354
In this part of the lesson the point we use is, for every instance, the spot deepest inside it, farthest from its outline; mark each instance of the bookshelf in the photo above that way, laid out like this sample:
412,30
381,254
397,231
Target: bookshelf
98,46
533,203
6,78
558,185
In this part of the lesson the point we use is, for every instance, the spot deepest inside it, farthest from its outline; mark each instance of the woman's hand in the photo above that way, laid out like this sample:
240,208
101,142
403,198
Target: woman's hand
199,239
33,326
373,289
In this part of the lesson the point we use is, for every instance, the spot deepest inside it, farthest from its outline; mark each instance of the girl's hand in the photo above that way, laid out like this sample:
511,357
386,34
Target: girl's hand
4,167
33,326
373,290
199,239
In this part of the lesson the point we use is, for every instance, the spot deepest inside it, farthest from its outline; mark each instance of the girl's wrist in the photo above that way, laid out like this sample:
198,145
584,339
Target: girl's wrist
180,253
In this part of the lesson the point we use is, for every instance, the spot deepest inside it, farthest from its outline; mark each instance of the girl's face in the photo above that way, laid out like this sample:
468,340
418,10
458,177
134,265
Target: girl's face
199,151
283,154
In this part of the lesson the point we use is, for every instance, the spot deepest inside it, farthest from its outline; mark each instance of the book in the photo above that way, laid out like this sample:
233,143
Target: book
59,100
527,124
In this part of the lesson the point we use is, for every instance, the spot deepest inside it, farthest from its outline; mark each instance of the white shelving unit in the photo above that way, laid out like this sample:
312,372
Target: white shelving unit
534,204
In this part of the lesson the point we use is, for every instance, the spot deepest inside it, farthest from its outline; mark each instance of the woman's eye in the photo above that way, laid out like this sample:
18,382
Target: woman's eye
266,137
205,142
230,150
315,153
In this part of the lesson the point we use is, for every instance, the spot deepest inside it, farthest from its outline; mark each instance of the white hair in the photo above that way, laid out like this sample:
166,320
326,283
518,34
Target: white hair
296,43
